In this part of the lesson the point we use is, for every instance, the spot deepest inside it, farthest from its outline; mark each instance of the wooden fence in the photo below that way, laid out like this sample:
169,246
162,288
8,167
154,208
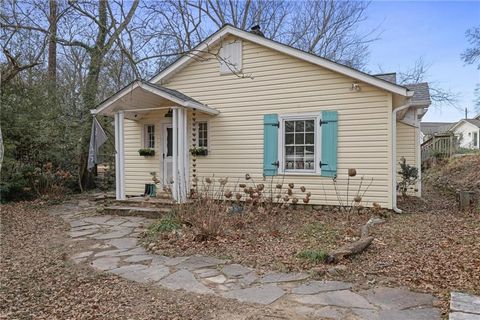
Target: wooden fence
438,147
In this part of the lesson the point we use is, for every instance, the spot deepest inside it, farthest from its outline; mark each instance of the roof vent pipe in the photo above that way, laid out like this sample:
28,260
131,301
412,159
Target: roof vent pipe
257,30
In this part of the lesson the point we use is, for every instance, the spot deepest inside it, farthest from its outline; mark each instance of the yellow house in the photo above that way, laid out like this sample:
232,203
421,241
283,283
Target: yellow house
248,104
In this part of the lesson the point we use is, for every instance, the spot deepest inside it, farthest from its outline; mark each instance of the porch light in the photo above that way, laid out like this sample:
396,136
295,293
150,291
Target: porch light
169,114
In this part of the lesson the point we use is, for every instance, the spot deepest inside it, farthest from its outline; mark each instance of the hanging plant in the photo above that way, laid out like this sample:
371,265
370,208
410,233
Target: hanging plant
200,151
146,152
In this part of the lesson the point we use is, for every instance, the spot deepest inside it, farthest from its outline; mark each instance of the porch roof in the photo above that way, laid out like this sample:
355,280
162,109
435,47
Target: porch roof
144,96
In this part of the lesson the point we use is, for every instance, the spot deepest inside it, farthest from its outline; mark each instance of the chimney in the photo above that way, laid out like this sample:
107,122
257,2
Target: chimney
256,30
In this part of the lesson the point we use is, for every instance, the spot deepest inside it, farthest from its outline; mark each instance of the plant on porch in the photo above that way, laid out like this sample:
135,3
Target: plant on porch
200,151
146,152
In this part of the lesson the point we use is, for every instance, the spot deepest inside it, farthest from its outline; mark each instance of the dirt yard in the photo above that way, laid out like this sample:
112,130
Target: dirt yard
431,247
38,281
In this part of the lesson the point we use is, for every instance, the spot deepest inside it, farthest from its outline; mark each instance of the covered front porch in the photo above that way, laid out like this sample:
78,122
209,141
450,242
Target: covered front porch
155,118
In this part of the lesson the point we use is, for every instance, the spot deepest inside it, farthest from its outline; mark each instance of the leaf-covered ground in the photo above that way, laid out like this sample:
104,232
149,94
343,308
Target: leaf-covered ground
38,281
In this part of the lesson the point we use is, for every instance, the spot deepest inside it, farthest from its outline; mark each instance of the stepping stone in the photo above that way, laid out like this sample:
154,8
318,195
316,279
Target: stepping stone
141,273
397,298
321,286
158,260
235,270
342,298
79,223
463,302
97,219
138,258
263,294
410,314
133,252
119,233
175,261
248,279
115,221
283,277
106,263
217,279
123,243
207,273
82,255
109,253
199,262
184,279
463,316
85,227
77,234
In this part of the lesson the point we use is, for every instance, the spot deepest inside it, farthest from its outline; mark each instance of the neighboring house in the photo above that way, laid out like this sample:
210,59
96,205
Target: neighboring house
430,129
467,133
270,110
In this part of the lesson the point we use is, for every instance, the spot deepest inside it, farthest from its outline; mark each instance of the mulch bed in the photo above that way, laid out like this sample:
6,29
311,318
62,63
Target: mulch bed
38,281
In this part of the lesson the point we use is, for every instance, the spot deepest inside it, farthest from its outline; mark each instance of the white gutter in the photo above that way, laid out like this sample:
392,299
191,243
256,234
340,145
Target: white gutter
394,155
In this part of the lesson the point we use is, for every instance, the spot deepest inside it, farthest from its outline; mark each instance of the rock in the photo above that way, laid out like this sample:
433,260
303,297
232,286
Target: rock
184,279
119,233
141,273
410,314
321,286
283,277
123,243
106,263
199,262
217,279
207,273
264,294
342,298
138,258
82,255
235,270
463,302
337,270
396,298
463,316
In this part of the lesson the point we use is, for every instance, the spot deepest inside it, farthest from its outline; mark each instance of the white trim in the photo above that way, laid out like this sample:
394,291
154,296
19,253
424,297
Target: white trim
460,122
144,135
175,154
229,30
103,107
317,143
119,156
208,133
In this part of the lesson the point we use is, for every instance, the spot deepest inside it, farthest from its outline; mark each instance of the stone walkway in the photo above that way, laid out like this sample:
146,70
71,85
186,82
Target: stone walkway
113,248
464,306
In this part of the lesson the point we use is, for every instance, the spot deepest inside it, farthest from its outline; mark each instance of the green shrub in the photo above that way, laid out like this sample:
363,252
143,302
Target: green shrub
165,224
313,255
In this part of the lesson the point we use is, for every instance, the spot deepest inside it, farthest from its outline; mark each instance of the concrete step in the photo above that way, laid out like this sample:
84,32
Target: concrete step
142,202
151,213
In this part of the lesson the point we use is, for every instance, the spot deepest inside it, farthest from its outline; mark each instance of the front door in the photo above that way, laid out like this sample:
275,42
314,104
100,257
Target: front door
167,154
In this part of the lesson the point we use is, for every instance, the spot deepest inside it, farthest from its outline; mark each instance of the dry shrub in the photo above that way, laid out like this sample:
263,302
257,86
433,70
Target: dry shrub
213,210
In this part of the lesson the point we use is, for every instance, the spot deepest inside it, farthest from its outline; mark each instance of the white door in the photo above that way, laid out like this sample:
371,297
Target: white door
167,139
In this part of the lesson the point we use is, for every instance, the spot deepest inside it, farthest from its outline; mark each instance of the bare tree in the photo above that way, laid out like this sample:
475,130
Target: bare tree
472,54
419,73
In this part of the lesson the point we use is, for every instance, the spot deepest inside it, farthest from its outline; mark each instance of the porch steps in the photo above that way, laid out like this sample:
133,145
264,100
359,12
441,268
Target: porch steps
151,213
144,203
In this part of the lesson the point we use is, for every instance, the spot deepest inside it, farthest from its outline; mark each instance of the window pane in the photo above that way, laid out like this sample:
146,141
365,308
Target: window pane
289,138
299,138
299,126
309,138
289,126
289,151
309,126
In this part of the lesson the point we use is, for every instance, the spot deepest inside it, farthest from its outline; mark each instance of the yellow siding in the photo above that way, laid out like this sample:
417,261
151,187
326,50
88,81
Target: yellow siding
284,85
407,136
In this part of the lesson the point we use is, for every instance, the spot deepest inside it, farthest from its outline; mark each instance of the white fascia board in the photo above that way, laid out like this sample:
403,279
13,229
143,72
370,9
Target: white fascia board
213,39
156,91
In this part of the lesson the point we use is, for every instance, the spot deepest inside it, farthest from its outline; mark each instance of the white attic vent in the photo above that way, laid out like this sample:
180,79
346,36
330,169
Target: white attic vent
231,57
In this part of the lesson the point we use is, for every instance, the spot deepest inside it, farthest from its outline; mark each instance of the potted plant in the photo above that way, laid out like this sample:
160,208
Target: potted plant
199,151
146,152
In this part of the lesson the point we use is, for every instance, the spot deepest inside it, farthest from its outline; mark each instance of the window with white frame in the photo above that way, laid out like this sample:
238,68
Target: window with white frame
203,134
149,136
299,143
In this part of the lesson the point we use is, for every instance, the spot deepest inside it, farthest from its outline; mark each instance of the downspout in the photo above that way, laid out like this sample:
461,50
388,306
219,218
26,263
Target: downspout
394,154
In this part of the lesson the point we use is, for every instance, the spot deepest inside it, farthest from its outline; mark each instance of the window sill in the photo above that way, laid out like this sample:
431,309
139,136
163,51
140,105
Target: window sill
319,174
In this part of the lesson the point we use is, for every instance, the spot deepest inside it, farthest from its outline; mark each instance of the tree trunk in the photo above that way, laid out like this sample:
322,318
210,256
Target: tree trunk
52,48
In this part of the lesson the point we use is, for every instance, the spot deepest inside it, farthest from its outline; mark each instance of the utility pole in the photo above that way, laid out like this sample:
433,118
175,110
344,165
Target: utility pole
466,113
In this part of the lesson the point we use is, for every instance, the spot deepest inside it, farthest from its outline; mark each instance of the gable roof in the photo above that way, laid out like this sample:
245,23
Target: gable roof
430,128
474,122
390,77
174,96
227,29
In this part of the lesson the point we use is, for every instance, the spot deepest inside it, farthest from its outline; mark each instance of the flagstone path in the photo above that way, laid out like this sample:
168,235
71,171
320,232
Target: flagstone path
113,247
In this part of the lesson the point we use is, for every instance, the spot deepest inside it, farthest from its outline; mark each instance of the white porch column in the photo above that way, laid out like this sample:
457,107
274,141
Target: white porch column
119,156
187,153
175,154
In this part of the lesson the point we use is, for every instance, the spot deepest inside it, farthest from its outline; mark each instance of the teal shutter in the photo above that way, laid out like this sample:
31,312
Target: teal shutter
270,144
329,143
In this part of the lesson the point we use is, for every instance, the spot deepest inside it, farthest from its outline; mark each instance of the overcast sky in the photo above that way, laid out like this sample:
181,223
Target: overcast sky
434,30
